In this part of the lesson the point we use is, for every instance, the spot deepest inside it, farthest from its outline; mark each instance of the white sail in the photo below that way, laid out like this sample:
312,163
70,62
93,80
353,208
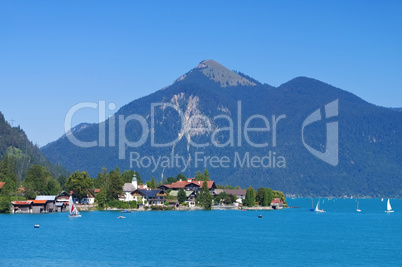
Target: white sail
389,208
73,209
317,208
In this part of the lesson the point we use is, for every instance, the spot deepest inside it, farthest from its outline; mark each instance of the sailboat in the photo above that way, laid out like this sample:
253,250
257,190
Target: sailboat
389,208
357,209
317,208
74,213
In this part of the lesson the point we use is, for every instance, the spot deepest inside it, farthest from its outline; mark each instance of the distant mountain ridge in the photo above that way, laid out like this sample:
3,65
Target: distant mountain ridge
13,140
209,94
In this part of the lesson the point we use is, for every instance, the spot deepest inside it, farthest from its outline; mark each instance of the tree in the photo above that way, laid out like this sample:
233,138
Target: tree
102,178
152,184
5,203
36,179
260,195
171,180
101,197
229,187
114,185
181,176
139,180
268,196
205,197
280,195
8,173
206,175
249,201
53,187
127,176
39,180
199,176
5,199
181,195
220,197
229,199
29,194
79,183
62,180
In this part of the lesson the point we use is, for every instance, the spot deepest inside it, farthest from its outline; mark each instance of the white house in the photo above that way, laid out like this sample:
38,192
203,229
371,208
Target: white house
129,188
89,198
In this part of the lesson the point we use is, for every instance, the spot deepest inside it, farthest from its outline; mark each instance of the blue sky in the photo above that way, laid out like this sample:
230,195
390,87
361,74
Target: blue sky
56,54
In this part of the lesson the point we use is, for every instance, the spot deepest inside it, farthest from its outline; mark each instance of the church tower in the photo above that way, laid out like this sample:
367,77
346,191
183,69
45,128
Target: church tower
134,181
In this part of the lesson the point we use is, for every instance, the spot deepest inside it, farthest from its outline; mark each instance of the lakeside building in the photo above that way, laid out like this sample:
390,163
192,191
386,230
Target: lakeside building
63,197
190,185
22,206
89,198
129,188
190,197
277,204
44,204
62,201
41,204
149,197
191,188
240,194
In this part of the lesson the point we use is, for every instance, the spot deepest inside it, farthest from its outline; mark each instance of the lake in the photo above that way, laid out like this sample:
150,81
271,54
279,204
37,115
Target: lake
294,236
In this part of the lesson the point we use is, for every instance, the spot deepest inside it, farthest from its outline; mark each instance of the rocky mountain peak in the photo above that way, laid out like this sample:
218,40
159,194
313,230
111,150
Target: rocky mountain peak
219,73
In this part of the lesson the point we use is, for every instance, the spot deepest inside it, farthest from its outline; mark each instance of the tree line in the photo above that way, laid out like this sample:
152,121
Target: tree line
39,181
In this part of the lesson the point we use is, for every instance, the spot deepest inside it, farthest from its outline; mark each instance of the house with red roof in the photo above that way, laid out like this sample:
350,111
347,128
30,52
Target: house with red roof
190,185
44,204
63,197
22,206
62,201
277,203
89,199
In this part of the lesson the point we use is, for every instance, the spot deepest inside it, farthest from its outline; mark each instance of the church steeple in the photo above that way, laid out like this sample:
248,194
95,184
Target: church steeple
134,181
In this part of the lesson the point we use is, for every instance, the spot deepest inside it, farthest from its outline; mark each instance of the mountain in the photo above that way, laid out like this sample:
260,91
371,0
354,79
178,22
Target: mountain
208,118
14,142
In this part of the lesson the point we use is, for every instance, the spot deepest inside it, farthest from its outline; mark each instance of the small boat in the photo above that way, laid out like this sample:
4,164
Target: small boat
312,205
121,217
260,216
36,226
357,209
126,211
389,208
382,200
74,213
317,208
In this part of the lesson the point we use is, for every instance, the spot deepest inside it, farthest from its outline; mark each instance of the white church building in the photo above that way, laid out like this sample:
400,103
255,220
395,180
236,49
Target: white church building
129,188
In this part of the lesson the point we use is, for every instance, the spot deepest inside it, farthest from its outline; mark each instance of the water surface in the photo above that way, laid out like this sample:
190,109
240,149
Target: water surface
340,236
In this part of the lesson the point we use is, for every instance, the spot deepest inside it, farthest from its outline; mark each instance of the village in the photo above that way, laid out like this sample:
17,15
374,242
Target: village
166,196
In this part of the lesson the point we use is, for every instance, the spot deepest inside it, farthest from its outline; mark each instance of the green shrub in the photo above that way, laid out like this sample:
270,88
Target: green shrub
5,204
122,204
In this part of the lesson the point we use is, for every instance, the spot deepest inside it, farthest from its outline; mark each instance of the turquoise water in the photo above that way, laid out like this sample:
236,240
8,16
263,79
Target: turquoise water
296,237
